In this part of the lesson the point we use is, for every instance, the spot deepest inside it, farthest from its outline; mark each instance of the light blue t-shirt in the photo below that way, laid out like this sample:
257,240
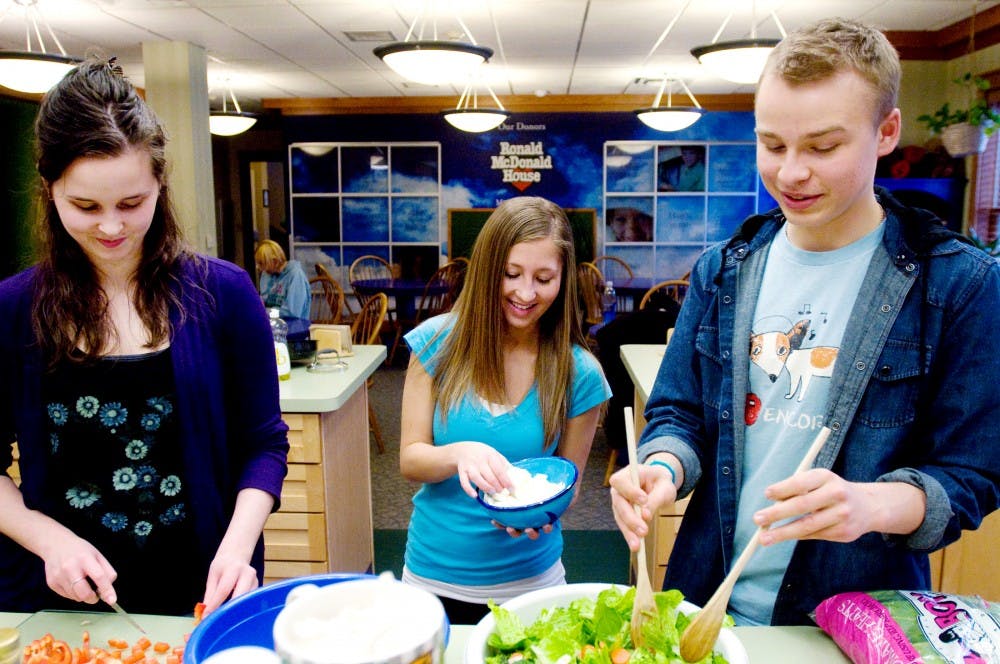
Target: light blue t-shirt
805,300
450,537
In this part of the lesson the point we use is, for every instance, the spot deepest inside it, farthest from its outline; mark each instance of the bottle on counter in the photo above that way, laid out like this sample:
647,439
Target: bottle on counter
10,645
279,330
609,300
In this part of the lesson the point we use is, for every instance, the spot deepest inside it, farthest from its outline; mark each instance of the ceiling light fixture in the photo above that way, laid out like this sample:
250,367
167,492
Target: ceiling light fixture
741,60
467,115
670,117
433,61
34,71
230,123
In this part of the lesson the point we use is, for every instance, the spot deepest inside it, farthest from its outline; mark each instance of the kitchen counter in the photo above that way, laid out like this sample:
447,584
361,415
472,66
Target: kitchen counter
642,361
325,520
307,392
765,645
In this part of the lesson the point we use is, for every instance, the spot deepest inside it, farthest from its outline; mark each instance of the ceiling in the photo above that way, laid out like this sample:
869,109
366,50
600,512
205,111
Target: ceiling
277,49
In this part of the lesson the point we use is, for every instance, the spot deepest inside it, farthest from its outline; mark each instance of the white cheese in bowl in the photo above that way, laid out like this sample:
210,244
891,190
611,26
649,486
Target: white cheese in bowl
527,489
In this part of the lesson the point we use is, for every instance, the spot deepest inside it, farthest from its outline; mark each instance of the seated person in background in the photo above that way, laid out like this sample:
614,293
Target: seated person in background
684,173
506,375
283,283
630,225
648,325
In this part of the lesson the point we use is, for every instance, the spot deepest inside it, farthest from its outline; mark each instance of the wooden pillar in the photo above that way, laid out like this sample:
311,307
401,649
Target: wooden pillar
177,89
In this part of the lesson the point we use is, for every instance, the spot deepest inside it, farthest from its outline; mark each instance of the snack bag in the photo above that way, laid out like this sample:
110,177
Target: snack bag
912,627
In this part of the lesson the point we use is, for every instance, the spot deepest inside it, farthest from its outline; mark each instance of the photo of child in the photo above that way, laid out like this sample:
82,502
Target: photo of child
684,171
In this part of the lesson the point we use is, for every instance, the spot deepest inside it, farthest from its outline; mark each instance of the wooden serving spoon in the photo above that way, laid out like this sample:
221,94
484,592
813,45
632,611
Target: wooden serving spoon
702,632
644,604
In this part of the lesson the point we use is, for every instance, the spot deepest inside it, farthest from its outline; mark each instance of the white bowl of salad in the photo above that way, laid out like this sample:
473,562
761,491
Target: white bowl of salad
586,623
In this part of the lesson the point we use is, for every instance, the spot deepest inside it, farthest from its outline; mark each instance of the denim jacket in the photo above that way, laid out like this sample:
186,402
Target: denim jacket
912,400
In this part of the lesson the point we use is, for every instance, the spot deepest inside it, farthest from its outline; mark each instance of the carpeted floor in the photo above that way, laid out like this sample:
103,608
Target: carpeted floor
594,549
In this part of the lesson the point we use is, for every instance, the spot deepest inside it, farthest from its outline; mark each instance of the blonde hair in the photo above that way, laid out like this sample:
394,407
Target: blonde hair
471,358
833,45
270,257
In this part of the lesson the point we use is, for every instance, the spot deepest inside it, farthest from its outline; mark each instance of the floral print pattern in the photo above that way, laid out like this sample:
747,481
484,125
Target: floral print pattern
113,414
58,413
116,441
145,497
87,406
83,496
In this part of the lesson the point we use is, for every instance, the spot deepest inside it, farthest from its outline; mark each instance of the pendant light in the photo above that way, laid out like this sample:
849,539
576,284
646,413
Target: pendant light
468,116
741,60
433,61
670,117
34,71
230,123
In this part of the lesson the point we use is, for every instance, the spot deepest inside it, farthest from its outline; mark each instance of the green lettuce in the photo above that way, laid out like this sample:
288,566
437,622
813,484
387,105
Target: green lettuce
588,630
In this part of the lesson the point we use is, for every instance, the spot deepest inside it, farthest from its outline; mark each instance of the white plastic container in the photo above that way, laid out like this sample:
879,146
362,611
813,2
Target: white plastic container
367,621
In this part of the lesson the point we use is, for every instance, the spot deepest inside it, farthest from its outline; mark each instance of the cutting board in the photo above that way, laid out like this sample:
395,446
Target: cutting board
69,626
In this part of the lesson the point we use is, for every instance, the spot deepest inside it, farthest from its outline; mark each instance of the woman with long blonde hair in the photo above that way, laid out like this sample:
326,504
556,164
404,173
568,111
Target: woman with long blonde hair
504,376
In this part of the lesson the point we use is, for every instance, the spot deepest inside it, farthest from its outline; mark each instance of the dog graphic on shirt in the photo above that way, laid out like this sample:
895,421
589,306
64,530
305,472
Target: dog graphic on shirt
774,351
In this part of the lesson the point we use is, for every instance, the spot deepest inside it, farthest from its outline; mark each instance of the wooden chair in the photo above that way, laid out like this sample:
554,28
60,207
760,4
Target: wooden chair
369,266
365,331
346,312
614,268
327,300
433,303
591,286
675,288
617,271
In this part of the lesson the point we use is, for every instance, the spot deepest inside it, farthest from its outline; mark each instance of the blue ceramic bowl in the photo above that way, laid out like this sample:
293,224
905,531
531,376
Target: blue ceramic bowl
536,515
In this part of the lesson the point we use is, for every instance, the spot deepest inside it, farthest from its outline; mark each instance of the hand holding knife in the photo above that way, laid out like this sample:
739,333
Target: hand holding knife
114,605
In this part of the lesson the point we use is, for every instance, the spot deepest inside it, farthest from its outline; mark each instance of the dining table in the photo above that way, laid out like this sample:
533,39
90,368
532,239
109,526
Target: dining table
405,291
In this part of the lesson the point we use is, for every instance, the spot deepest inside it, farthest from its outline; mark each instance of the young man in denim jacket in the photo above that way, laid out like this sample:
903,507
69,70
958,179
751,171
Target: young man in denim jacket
841,309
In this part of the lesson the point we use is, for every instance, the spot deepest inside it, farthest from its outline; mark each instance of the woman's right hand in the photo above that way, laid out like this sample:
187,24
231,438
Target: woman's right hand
479,465
72,565
656,489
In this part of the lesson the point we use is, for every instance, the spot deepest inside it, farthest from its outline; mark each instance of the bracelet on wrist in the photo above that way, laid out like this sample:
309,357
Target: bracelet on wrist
670,469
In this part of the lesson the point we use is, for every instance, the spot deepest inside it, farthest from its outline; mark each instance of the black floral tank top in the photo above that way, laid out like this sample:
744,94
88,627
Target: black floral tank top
117,475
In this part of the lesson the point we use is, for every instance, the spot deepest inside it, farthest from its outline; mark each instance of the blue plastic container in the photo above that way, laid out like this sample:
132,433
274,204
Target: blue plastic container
537,515
248,619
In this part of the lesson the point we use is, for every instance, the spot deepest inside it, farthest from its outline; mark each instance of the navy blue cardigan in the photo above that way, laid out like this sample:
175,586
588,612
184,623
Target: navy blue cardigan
232,433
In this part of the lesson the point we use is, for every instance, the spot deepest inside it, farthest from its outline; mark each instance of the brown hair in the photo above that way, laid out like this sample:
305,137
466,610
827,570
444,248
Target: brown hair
94,111
827,47
471,358
270,257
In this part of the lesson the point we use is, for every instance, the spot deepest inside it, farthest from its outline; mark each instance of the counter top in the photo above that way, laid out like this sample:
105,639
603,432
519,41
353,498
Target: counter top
765,645
642,361
307,392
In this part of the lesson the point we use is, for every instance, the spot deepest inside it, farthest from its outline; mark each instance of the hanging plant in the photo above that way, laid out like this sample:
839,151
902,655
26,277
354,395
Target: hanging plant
964,130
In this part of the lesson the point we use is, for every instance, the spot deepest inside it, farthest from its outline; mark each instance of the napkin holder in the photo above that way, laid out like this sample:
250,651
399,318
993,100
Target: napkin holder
337,337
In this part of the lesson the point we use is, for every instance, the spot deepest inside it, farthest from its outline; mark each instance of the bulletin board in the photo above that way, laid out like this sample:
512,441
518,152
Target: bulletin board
464,226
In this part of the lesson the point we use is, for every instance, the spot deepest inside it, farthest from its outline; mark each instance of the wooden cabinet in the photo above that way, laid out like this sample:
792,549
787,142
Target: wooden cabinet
324,523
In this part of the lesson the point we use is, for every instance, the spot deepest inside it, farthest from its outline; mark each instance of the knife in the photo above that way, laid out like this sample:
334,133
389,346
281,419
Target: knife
119,610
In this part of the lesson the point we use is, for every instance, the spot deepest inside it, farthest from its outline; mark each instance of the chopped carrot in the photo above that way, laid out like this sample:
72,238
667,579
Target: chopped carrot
620,656
118,644
199,611
161,646
172,659
142,643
